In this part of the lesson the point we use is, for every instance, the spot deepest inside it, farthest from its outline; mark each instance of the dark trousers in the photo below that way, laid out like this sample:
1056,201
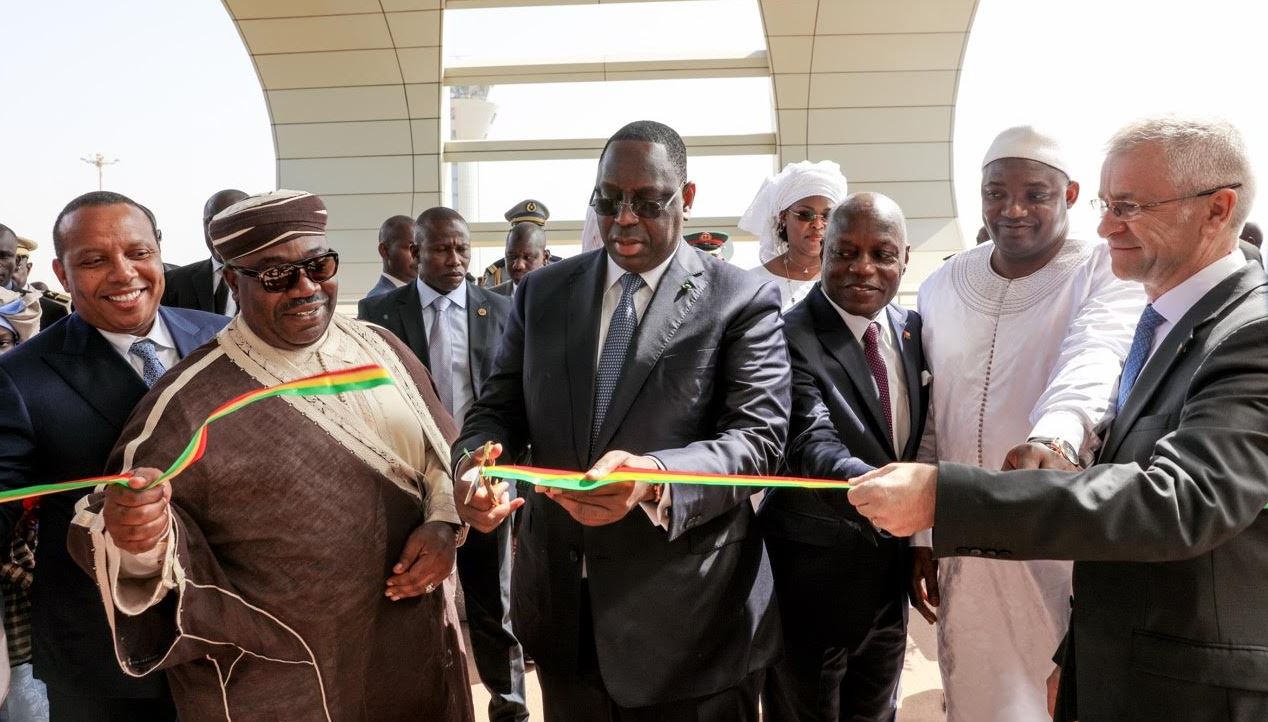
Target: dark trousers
582,697
838,665
71,705
484,568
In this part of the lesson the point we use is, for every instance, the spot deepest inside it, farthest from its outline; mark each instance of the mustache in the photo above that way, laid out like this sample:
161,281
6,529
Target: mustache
297,302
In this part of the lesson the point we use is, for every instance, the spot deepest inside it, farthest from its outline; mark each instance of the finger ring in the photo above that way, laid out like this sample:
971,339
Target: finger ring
429,589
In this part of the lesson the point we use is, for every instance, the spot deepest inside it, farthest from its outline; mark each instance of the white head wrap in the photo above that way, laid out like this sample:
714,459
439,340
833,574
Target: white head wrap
1024,141
591,238
20,313
794,182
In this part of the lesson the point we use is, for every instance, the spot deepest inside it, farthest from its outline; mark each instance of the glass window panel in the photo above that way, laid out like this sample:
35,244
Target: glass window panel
602,32
701,106
725,185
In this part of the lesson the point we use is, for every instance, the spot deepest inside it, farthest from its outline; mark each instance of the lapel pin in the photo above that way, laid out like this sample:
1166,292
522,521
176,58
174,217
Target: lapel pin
687,285
906,335
482,311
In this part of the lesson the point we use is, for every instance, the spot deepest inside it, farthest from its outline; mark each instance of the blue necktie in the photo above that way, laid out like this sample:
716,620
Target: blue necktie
620,331
151,367
1142,344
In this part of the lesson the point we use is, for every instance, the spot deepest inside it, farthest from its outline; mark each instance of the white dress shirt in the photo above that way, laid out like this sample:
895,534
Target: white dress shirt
164,346
459,344
217,278
658,513
899,411
612,296
1173,304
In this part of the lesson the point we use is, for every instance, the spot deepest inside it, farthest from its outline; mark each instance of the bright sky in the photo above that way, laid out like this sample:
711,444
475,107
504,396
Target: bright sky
168,89
1086,67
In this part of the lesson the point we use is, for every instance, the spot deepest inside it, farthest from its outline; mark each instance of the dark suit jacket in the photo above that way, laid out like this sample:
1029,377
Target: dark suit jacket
837,431
50,311
505,288
677,614
1251,252
401,312
1168,531
190,287
383,285
64,396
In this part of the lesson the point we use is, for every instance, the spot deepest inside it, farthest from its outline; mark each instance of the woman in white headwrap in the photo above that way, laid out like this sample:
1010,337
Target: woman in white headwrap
789,217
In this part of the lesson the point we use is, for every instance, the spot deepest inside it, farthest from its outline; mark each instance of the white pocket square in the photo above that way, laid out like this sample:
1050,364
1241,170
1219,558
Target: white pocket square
925,378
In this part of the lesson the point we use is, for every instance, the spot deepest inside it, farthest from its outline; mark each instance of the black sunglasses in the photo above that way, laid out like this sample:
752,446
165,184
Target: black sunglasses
282,277
641,207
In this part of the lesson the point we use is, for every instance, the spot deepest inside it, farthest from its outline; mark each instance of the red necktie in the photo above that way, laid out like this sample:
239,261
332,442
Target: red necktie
871,350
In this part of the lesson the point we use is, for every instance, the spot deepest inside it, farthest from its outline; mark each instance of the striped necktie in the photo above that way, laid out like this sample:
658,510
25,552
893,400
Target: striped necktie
615,346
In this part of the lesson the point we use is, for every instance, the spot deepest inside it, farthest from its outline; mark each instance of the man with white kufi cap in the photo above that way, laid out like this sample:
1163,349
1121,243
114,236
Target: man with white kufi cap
1025,337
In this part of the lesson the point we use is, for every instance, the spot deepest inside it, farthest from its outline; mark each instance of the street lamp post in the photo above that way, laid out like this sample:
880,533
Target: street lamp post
100,161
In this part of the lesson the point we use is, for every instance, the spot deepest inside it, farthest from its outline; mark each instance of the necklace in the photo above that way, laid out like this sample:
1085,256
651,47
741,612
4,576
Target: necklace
788,277
808,270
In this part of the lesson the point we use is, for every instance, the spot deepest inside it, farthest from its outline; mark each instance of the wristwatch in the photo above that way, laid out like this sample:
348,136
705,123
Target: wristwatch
1060,446
658,490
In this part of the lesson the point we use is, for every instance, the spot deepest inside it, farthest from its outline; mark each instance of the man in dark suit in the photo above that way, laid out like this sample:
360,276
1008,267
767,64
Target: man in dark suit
64,396
200,285
397,238
1168,530
453,326
638,601
857,403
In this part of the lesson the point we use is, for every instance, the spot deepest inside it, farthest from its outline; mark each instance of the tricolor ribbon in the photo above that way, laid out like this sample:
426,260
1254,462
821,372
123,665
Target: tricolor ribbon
334,382
577,481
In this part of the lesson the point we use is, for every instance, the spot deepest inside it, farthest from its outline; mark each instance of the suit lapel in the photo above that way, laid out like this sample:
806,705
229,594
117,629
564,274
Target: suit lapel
840,343
410,309
681,285
202,279
901,321
92,367
1174,346
183,331
581,333
479,334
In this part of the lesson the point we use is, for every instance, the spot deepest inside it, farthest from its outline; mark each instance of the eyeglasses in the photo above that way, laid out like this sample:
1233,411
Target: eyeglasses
282,277
639,206
1127,210
810,216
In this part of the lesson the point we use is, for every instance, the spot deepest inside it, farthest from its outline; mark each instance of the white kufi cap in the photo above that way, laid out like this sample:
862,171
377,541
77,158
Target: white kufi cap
1024,141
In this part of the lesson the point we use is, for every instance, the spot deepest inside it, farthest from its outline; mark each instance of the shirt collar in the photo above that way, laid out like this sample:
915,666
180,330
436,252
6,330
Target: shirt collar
651,278
858,324
122,342
1173,304
427,294
394,280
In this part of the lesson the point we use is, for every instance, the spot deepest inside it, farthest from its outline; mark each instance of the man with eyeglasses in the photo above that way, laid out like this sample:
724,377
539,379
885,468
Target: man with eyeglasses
453,326
293,572
64,397
638,601
1025,336
1168,531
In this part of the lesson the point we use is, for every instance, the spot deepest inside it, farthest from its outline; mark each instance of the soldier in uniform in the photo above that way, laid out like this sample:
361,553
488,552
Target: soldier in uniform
53,305
526,211
714,243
